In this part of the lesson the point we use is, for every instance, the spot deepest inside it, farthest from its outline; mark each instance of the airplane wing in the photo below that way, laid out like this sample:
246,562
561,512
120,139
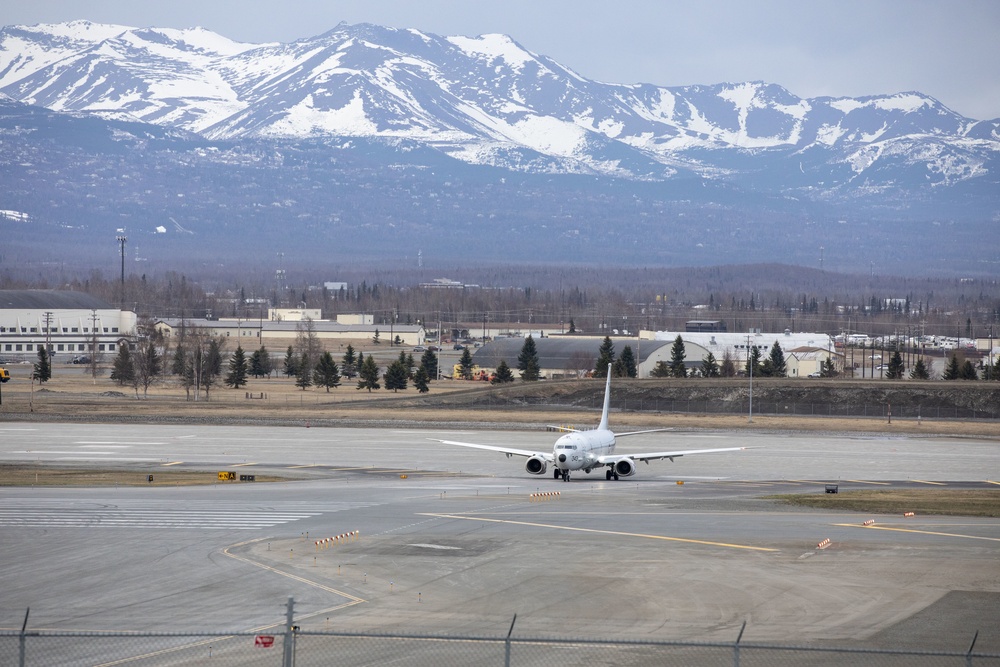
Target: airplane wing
652,430
509,451
656,456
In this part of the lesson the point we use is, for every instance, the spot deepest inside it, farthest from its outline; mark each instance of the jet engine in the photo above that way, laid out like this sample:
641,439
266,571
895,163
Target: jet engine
535,465
625,468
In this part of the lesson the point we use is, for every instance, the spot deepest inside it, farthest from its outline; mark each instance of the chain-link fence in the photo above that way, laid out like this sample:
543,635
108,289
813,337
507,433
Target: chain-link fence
306,649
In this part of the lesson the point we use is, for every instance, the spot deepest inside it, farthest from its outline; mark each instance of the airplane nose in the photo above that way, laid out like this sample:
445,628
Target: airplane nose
562,458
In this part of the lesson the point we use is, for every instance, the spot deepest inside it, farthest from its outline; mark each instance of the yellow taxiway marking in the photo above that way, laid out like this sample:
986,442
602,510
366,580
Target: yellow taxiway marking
862,481
602,532
921,532
924,481
243,465
172,463
309,465
992,482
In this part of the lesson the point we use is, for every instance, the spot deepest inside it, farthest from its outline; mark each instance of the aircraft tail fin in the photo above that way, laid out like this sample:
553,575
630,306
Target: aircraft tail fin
607,403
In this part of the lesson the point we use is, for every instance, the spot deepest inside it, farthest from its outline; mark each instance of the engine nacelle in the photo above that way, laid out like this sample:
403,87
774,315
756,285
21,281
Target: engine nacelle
536,465
625,468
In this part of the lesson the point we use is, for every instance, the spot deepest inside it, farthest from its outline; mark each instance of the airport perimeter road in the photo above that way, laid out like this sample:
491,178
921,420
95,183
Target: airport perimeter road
461,545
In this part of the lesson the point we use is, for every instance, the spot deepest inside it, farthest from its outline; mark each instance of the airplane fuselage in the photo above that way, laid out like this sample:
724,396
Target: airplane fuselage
581,450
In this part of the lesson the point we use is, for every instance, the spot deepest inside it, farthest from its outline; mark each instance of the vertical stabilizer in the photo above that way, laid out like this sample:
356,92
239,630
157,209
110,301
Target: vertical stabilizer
603,426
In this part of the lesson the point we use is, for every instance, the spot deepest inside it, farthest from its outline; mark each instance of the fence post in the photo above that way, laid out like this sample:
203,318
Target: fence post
506,643
288,657
736,646
23,638
968,654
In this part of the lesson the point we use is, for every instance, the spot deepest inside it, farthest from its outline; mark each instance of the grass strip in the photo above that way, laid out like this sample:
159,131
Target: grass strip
16,475
951,502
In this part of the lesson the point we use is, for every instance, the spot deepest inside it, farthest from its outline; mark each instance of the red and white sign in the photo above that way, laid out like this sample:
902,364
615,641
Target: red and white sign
267,641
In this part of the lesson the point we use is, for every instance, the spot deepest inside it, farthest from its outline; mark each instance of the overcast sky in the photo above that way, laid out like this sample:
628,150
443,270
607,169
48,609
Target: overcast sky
948,49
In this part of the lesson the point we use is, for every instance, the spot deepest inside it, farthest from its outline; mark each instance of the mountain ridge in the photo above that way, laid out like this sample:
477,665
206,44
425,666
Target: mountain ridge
467,146
470,97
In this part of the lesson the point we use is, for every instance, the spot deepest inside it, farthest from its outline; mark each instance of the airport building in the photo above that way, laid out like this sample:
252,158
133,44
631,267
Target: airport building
252,333
574,356
72,324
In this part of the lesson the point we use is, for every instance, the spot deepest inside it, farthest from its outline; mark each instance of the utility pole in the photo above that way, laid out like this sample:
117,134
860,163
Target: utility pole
121,238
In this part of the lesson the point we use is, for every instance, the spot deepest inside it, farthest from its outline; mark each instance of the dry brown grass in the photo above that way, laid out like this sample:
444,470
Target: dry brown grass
23,475
953,502
73,394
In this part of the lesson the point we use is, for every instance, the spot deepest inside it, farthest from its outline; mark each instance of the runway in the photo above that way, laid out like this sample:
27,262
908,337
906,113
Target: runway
452,540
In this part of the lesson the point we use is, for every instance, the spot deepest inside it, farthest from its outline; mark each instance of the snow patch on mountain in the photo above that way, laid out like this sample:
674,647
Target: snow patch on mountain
494,47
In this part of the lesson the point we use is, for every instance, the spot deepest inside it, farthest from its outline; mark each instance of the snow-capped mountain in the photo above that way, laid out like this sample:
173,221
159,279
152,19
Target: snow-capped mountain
487,100
373,142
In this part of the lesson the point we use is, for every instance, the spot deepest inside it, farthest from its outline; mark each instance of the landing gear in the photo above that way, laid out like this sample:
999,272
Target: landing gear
557,473
566,475
607,475
611,474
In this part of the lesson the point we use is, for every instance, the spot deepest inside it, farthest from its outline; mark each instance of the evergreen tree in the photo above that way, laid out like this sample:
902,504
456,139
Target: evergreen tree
661,370
919,371
304,378
753,362
375,338
253,367
677,367
420,380
261,364
953,370
348,365
429,362
179,363
43,367
827,368
527,360
503,375
778,366
618,369
896,368
211,365
410,365
629,365
605,358
326,373
572,326
238,370
710,367
122,371
396,376
291,367
465,362
968,371
368,374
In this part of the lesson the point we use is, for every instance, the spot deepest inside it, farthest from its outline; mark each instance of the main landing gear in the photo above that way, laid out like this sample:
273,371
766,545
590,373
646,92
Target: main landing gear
557,473
609,474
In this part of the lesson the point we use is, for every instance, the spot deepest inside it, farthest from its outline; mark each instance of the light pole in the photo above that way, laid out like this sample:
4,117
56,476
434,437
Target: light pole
750,365
121,242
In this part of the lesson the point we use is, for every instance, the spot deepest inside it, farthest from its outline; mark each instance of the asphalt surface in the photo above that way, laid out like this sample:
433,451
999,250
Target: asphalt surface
451,540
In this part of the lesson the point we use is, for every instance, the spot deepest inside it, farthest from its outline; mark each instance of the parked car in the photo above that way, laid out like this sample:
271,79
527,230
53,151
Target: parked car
419,348
81,359
815,374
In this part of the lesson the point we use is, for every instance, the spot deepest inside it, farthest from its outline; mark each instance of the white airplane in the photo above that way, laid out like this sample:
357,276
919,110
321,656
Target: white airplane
588,450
